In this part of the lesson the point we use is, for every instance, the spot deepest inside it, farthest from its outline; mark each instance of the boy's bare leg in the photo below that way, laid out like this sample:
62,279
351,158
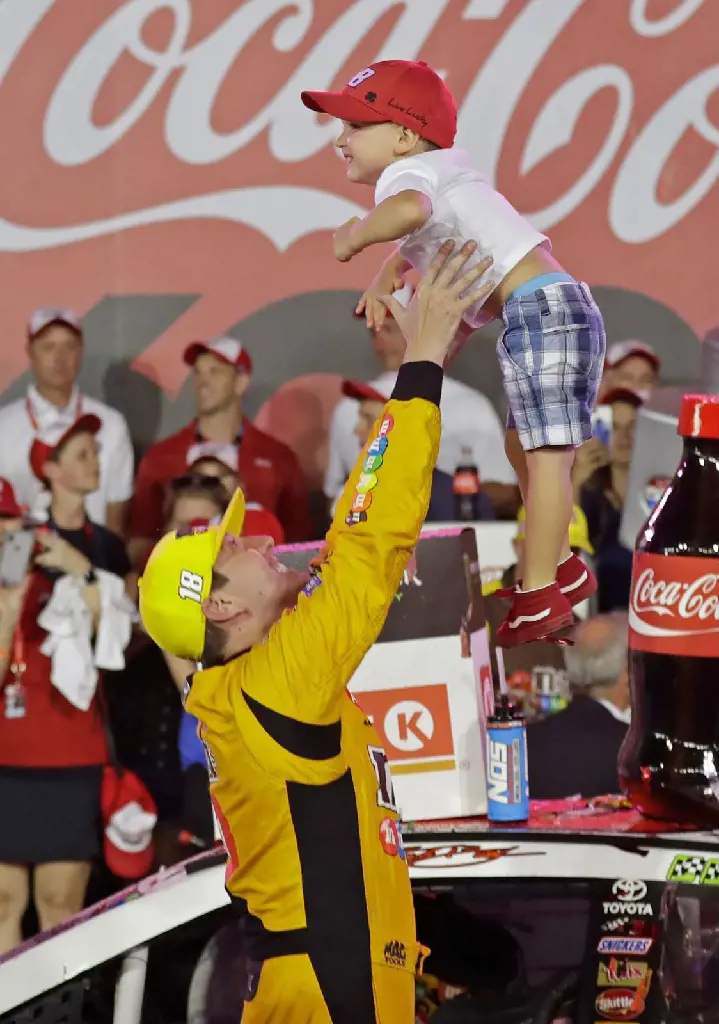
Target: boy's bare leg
548,505
517,458
518,461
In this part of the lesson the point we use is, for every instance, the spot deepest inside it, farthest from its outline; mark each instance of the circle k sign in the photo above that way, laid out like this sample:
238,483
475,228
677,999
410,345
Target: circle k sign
409,726
413,722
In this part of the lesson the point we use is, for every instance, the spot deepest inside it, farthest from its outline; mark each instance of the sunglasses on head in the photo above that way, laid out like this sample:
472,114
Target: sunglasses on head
188,480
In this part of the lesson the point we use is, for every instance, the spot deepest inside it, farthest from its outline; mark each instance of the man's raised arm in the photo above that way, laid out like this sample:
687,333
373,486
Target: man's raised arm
313,651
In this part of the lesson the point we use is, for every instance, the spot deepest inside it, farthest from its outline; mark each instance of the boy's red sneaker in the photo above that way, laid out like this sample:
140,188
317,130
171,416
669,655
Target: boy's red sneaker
535,615
576,581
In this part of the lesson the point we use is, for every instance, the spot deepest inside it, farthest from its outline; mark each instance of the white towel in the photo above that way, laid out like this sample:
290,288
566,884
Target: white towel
69,625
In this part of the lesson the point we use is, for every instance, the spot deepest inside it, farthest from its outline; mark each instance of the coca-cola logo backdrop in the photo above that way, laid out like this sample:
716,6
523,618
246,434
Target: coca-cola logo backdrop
674,605
161,175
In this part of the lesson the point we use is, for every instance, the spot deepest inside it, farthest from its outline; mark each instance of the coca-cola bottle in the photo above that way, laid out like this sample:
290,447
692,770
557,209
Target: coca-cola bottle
669,762
465,486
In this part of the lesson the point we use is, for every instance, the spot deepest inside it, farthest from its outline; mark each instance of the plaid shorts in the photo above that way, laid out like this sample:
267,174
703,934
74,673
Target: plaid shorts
551,353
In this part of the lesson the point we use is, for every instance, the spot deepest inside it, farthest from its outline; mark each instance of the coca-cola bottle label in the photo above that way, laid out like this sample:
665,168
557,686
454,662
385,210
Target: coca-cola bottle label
674,605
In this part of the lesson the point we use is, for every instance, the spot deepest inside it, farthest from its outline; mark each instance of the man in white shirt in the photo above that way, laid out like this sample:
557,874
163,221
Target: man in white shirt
53,401
468,421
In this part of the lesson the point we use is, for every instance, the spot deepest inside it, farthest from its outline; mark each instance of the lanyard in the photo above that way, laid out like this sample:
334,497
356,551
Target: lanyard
33,419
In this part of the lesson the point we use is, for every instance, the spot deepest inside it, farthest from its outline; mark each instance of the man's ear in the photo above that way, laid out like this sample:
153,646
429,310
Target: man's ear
242,383
221,608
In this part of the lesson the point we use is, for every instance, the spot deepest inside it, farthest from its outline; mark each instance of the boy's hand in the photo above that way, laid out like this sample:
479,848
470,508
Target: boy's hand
345,249
386,282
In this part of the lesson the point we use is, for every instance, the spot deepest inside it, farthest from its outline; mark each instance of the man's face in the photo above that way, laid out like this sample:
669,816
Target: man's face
634,372
624,419
389,345
258,586
217,384
55,356
367,414
368,149
77,467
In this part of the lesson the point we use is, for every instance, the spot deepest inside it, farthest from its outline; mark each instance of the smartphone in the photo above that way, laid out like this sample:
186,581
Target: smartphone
17,551
602,423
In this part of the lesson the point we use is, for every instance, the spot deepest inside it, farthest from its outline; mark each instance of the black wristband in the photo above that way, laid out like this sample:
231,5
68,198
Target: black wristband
419,380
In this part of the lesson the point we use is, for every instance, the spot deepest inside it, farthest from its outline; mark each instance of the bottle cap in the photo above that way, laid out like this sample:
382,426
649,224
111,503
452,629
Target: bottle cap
699,416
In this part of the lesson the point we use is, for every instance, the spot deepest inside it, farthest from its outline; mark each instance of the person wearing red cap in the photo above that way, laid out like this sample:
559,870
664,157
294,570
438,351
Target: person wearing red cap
51,752
399,121
369,401
53,400
270,470
469,420
631,364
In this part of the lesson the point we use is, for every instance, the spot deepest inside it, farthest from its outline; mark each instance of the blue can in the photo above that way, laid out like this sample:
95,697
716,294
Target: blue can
507,781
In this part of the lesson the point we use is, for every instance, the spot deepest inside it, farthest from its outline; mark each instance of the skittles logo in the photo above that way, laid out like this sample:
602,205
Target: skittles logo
368,477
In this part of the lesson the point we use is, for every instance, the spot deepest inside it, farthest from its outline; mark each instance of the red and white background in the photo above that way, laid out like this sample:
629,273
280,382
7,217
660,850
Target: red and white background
161,177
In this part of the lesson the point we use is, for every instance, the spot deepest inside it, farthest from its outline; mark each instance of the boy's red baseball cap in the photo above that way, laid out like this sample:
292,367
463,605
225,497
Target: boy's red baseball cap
406,92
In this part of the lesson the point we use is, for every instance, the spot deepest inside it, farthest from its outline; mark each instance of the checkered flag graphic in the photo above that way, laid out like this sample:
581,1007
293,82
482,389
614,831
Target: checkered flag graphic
711,872
687,868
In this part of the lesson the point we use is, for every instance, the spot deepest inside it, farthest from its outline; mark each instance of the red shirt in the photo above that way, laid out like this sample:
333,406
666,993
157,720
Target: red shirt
53,733
269,470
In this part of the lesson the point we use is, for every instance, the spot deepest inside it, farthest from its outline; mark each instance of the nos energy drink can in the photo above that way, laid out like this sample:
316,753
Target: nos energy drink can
507,783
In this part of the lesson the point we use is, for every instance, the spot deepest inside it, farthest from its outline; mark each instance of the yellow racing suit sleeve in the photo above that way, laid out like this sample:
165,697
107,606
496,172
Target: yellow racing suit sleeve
304,666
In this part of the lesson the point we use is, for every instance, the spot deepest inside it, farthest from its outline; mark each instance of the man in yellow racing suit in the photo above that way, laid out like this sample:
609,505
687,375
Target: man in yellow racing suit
298,778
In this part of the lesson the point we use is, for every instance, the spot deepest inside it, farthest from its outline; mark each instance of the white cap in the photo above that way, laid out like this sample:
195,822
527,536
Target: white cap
130,828
227,454
622,350
47,315
229,350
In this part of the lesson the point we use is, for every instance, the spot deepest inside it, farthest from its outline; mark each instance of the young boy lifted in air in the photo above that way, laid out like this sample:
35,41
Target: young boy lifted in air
399,121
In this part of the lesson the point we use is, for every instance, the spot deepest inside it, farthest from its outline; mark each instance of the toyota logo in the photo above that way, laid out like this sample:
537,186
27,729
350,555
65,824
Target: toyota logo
630,890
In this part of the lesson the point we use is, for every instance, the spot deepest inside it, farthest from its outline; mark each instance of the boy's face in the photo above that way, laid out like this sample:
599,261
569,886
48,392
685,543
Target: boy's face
368,149
77,467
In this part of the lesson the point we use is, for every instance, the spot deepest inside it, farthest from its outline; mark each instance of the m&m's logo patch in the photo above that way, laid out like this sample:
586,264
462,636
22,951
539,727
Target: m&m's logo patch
368,480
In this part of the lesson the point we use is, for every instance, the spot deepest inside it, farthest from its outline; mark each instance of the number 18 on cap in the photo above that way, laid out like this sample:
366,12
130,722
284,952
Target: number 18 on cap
507,783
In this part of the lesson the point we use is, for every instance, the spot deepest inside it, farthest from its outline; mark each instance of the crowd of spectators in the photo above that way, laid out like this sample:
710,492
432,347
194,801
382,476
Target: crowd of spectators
91,724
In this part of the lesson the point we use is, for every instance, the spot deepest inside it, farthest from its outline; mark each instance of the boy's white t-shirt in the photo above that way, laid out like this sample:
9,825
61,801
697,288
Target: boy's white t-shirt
464,207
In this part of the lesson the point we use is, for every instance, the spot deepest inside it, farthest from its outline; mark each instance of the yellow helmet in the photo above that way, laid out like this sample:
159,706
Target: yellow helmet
178,578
